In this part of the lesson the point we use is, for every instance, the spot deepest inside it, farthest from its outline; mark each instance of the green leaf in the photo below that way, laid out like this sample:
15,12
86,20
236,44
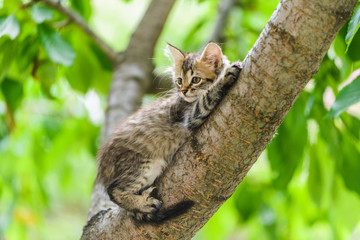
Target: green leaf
9,26
7,55
83,7
316,178
13,92
56,47
41,13
46,74
354,25
81,74
28,49
286,150
349,165
348,96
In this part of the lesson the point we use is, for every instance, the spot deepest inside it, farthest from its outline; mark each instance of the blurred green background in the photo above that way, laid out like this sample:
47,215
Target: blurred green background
306,185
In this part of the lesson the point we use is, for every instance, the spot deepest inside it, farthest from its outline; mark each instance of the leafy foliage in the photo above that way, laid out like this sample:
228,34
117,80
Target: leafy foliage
353,26
53,86
9,26
348,96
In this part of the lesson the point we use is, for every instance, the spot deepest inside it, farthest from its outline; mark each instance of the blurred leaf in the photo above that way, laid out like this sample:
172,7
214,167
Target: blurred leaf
354,25
354,49
348,96
56,47
9,25
13,92
41,13
26,55
286,150
352,125
81,74
83,7
249,205
345,208
315,179
7,55
101,57
46,73
349,165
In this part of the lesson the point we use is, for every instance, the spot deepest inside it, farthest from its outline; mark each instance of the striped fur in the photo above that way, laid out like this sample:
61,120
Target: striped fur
141,147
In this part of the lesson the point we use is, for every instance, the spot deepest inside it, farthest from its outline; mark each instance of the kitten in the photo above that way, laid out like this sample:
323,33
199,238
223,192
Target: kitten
142,146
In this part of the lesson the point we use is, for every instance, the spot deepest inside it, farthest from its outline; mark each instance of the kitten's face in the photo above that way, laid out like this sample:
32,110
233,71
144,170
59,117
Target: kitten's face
193,72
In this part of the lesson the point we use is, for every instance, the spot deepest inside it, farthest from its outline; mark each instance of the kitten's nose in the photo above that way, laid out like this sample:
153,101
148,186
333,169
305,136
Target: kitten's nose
184,91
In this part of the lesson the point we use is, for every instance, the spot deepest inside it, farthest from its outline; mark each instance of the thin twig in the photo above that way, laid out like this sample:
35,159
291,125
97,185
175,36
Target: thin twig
78,20
223,12
29,4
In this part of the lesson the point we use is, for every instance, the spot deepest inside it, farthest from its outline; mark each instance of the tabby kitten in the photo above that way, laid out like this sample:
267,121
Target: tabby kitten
142,146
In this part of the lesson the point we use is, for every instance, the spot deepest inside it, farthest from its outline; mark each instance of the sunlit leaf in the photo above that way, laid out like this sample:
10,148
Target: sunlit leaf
354,25
9,25
348,96
56,47
41,13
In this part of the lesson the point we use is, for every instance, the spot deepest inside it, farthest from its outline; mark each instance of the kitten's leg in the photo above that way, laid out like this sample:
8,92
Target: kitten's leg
212,97
132,190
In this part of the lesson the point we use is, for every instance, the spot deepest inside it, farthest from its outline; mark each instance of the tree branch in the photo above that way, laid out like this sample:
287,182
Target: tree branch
210,166
29,4
224,9
149,30
78,20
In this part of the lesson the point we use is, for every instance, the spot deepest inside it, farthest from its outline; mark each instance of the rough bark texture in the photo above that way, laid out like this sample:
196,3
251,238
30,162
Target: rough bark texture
211,165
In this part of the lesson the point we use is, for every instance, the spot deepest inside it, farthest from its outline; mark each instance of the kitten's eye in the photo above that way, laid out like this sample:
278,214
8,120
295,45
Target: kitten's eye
195,80
179,81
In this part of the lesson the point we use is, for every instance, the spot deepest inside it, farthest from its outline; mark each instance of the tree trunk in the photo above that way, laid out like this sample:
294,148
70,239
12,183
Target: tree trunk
210,166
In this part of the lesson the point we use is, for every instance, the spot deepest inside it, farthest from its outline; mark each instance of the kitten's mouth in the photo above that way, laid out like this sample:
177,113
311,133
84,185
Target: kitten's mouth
189,98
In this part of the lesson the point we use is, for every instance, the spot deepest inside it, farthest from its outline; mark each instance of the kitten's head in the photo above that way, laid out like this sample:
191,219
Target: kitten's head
193,73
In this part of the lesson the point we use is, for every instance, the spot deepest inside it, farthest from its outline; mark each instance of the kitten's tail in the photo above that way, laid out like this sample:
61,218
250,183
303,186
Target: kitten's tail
171,212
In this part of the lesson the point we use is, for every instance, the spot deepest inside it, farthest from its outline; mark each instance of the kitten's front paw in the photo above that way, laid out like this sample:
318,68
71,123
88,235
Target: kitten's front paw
237,65
232,73
234,70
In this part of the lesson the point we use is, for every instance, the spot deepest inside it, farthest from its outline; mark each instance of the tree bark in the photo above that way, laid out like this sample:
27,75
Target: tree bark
209,167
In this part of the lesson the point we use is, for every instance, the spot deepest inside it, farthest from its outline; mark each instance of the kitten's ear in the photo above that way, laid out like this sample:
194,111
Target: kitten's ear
212,55
177,55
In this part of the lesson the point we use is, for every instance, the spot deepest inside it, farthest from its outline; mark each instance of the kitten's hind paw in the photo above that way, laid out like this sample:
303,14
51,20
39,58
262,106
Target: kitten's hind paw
147,206
148,211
